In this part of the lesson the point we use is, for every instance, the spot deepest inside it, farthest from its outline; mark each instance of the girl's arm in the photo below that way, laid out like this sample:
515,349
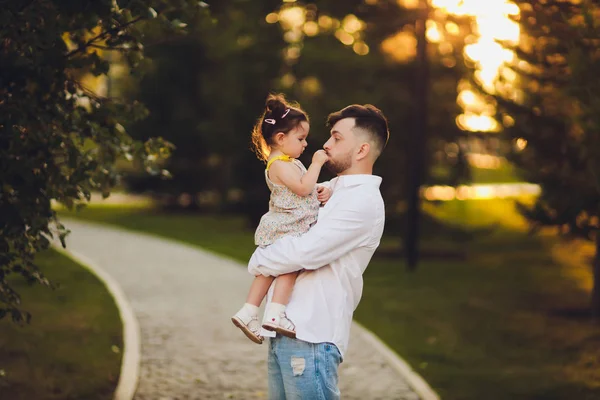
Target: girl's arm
355,222
326,184
288,174
323,193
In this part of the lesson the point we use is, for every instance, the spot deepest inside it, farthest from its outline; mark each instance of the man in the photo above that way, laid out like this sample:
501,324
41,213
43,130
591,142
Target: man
332,255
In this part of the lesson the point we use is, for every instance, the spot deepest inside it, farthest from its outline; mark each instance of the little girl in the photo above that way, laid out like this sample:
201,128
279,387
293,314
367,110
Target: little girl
279,138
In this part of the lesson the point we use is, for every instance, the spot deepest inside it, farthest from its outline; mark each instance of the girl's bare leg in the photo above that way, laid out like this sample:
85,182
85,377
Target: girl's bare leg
259,288
283,288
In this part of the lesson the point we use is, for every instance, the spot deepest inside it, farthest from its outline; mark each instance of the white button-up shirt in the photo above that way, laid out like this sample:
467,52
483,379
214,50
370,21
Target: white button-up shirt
333,255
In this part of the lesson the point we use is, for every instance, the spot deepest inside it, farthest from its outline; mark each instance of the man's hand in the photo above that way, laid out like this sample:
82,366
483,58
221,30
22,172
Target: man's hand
323,194
320,157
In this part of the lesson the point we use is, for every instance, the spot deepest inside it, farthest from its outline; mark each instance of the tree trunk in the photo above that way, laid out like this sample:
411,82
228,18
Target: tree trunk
418,141
225,181
596,277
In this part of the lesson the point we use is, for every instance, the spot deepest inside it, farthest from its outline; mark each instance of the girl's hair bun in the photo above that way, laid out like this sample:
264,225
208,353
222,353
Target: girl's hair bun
275,105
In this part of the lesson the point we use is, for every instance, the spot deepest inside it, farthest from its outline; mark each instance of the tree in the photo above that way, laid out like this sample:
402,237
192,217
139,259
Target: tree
59,140
553,94
204,93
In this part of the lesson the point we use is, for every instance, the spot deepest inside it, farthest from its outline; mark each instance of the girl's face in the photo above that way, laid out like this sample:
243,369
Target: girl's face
294,143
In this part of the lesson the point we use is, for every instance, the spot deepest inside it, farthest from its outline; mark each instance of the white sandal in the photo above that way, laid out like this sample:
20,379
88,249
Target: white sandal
280,324
251,327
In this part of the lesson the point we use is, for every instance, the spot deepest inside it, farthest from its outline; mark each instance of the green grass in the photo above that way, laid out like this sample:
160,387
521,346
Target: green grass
498,213
482,328
504,174
71,348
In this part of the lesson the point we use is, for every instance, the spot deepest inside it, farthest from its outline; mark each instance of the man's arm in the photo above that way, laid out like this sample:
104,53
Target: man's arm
344,228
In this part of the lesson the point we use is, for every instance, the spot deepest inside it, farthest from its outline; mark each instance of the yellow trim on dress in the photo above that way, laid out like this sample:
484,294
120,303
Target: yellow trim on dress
282,158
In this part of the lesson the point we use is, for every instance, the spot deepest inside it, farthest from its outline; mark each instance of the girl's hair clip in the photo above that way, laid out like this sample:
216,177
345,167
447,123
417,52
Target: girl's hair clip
270,121
285,113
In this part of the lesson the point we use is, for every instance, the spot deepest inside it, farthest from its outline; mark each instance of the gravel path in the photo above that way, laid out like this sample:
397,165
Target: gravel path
183,298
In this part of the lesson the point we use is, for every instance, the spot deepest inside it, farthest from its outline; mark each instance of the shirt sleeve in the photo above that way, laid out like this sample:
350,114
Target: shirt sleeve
341,230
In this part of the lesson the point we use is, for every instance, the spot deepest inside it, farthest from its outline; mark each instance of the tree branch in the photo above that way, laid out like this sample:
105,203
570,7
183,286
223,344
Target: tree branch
101,36
107,48
88,92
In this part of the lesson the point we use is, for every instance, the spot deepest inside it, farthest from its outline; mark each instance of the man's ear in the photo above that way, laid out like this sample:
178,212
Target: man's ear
363,151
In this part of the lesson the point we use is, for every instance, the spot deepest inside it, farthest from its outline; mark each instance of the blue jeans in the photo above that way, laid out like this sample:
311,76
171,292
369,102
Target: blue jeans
303,371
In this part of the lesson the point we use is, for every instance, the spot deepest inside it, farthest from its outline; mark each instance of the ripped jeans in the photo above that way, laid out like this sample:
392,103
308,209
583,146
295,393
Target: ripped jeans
302,371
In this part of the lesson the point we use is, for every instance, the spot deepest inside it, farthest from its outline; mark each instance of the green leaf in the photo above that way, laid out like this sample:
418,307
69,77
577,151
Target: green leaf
151,13
177,24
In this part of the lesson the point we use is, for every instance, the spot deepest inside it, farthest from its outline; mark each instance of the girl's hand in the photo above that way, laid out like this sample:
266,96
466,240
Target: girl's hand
323,194
320,157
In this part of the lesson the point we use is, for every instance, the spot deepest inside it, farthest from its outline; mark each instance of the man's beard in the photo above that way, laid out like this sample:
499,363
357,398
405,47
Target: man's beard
339,166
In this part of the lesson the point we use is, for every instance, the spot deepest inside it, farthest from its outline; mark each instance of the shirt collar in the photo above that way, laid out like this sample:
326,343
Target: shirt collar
355,180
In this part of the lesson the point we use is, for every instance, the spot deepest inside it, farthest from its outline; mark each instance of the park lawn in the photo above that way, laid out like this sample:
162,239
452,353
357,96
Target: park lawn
71,349
505,173
503,323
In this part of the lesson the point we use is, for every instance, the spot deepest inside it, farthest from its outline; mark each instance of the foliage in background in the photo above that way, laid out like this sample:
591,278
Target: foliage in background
206,90
204,93
384,77
554,103
59,140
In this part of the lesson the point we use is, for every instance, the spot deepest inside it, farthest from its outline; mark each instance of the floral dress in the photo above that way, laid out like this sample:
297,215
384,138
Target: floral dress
289,214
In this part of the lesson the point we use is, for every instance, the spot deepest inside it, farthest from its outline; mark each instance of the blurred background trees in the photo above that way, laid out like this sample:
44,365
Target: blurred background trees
549,99
205,91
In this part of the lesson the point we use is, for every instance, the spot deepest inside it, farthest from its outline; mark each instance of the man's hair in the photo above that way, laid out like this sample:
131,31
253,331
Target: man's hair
368,118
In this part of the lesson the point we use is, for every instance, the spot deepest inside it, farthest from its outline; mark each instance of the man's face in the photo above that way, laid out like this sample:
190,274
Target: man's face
341,146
